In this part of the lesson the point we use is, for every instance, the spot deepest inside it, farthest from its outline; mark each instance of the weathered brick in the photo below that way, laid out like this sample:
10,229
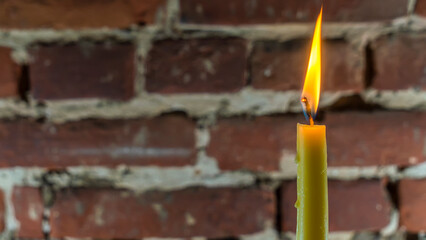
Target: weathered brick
28,208
257,145
282,66
391,55
353,139
278,11
421,8
353,205
83,71
9,74
412,201
161,141
77,14
364,10
116,214
196,65
375,138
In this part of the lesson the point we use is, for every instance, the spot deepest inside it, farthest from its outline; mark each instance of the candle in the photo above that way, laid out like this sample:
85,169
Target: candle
312,198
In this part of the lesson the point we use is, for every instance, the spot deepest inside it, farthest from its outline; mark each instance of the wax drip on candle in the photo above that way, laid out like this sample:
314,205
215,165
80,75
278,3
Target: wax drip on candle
307,110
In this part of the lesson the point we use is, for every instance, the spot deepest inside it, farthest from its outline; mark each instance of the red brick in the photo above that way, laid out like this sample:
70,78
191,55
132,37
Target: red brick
375,138
364,10
161,141
196,65
391,55
112,214
83,71
28,208
282,66
412,201
353,139
77,14
353,205
256,144
9,74
230,12
421,8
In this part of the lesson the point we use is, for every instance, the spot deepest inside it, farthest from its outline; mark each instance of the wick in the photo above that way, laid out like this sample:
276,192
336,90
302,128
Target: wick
308,110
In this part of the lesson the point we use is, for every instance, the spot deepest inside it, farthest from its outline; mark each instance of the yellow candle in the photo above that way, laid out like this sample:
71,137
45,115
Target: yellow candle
312,197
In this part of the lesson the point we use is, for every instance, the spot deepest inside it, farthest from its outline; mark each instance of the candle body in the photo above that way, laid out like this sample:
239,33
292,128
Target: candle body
312,196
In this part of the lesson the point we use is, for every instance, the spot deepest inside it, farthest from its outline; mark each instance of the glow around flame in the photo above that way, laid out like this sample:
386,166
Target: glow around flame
312,85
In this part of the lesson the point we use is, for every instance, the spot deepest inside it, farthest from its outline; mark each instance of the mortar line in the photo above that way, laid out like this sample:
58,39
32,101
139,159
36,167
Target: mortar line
411,7
24,38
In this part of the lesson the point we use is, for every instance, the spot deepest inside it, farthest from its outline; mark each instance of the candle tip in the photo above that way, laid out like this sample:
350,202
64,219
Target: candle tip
307,110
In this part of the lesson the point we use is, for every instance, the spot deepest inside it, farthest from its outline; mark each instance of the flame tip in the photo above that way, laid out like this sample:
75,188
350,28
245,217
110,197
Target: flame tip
312,85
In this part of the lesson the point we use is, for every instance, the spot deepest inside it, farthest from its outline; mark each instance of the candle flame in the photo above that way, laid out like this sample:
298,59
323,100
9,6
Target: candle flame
312,85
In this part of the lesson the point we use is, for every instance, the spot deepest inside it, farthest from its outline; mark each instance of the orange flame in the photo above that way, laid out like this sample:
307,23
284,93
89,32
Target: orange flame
311,88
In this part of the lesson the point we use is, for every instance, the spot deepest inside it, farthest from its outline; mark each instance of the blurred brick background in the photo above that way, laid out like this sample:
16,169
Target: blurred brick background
127,119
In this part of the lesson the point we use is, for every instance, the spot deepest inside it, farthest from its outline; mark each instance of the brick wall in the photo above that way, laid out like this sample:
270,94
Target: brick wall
128,119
